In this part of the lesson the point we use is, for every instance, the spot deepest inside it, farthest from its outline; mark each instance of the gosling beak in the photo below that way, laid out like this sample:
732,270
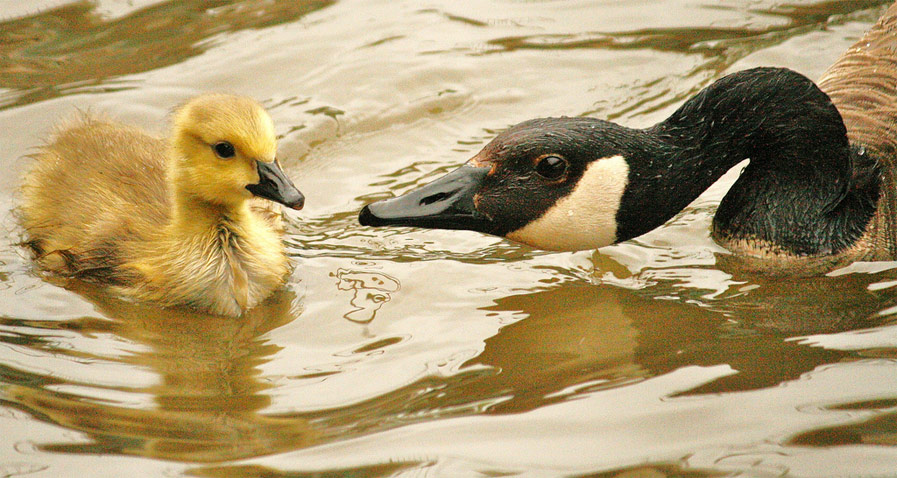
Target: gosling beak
275,185
446,203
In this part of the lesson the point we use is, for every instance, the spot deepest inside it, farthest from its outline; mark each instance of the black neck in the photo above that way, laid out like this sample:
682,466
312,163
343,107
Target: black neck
804,191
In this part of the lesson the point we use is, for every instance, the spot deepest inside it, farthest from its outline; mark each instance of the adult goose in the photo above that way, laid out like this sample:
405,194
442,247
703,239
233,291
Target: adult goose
172,222
818,192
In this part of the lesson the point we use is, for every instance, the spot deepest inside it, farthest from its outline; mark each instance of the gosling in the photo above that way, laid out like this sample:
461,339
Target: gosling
179,222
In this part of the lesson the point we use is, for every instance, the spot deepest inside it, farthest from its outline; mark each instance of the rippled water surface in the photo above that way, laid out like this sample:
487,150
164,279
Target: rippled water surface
401,352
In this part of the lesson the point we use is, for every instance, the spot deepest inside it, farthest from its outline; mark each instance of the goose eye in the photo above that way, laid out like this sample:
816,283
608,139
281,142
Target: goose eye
224,150
551,167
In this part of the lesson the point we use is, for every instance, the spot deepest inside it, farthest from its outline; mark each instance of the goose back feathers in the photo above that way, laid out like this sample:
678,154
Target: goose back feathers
862,84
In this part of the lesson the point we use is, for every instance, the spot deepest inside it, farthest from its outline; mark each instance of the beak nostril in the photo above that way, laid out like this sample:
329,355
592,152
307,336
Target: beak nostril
434,198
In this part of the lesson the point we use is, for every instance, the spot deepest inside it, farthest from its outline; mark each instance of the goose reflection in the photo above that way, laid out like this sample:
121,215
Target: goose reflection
574,338
207,402
579,336
852,298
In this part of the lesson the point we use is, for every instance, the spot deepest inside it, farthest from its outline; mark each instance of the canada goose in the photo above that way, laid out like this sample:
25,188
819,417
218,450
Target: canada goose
171,222
818,192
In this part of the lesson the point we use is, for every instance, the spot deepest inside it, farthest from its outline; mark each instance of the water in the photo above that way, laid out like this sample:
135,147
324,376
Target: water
400,352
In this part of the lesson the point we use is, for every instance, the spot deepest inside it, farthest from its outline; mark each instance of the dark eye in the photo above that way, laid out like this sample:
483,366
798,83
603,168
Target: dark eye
551,167
224,150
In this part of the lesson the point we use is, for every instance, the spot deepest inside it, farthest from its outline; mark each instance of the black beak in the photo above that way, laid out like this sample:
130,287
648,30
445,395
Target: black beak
446,203
275,185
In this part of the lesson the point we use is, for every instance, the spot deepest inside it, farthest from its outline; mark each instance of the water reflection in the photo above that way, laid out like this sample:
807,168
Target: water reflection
370,291
72,47
849,299
574,374
206,404
751,297
876,431
711,42
578,338
585,337
243,471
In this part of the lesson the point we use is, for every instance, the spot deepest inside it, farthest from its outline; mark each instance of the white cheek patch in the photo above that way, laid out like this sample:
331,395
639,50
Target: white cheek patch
587,217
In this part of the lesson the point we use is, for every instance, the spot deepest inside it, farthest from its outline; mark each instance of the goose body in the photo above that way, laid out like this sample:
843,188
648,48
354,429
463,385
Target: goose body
176,222
818,192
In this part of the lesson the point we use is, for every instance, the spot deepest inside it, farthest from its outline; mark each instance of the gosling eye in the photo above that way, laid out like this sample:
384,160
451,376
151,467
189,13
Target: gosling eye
224,150
551,167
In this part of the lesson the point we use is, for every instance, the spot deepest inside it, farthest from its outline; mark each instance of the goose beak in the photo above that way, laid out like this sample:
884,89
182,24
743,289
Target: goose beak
275,185
446,203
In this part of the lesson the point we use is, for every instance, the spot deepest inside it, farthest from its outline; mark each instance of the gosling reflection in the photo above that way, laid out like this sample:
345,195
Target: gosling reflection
209,397
370,291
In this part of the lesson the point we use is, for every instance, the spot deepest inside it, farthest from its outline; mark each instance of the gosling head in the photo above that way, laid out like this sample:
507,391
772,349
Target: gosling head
552,183
225,153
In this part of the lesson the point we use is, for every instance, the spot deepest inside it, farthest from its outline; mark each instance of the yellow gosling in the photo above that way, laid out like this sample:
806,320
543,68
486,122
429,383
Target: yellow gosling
174,222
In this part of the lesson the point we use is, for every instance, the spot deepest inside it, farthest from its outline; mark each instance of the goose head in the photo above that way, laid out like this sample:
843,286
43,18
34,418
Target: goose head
225,153
551,183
